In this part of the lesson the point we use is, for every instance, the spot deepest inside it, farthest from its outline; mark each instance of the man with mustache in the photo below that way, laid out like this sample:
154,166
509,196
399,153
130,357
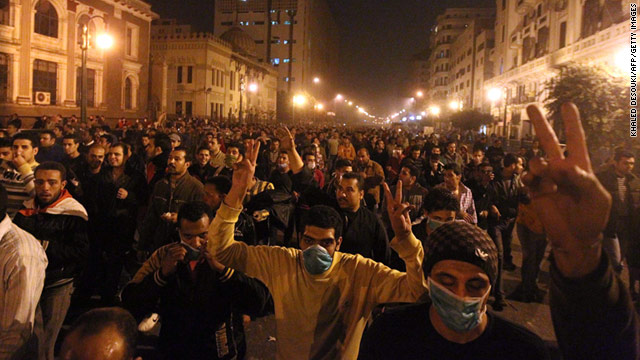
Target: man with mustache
169,194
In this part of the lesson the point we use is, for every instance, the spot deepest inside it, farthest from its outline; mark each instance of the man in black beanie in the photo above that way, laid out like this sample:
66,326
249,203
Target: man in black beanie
461,265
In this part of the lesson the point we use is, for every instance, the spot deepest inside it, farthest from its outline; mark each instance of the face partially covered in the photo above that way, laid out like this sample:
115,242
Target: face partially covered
194,233
314,235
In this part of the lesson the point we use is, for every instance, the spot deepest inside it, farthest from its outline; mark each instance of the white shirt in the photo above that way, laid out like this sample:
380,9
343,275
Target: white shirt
22,268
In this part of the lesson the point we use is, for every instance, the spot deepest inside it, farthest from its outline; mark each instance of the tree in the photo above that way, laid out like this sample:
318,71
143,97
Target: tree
470,119
603,100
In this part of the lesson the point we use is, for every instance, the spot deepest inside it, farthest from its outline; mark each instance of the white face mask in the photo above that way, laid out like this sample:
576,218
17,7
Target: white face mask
311,165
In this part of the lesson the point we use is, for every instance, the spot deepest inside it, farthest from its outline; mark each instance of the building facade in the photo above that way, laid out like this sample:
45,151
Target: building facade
535,36
201,75
298,37
449,26
40,57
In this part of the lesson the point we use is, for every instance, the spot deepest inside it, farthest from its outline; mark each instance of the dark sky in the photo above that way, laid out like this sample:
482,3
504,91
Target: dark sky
378,37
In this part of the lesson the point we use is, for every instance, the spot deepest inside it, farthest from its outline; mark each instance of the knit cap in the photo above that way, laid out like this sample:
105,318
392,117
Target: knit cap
459,240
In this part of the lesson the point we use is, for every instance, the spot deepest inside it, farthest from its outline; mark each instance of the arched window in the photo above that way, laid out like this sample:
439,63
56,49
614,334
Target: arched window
46,19
128,94
84,19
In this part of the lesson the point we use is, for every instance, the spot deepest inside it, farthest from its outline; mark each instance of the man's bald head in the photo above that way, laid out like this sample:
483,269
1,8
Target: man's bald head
101,334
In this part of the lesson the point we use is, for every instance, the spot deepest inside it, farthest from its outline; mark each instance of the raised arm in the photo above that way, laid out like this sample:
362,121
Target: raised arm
287,144
591,309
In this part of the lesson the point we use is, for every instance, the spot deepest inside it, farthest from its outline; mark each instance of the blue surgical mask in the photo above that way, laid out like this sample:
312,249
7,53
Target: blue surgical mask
458,314
434,224
192,253
316,259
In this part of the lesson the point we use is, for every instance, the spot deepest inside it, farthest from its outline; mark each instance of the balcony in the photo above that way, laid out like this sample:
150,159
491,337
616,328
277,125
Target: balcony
524,6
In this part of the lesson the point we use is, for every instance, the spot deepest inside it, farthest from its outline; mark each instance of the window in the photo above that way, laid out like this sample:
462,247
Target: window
128,94
179,74
188,108
91,84
4,14
232,81
259,41
226,23
189,74
504,4
258,23
178,107
275,41
4,77
46,19
275,61
563,34
287,41
503,33
129,41
539,10
45,74
274,22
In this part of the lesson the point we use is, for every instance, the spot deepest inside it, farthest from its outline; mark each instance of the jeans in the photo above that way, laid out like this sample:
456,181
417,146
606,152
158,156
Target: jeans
52,309
499,233
533,247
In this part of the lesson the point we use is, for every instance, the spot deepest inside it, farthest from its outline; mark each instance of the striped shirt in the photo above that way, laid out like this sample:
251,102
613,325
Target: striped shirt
259,187
22,270
18,183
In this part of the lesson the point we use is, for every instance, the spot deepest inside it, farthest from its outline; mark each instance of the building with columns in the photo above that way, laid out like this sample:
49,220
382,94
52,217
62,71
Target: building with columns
40,57
199,74
532,37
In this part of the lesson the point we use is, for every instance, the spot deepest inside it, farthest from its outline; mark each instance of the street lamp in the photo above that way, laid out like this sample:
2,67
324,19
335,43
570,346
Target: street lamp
434,110
103,41
316,80
338,97
350,103
495,94
253,87
455,105
419,94
298,100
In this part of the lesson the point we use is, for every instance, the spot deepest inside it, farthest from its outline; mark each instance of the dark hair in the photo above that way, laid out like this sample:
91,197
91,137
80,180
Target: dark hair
304,157
342,163
3,201
509,160
95,321
52,165
203,147
222,183
193,211
414,171
478,148
622,154
453,166
363,148
5,142
238,146
110,138
125,148
324,217
26,136
357,176
440,199
48,132
187,154
162,141
433,157
415,148
17,123
74,137
450,142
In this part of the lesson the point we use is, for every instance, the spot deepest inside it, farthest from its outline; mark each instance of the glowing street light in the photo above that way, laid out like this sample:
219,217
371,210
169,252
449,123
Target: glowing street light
623,60
455,105
419,94
319,107
104,41
350,103
434,110
299,100
361,110
338,97
316,80
253,87
494,94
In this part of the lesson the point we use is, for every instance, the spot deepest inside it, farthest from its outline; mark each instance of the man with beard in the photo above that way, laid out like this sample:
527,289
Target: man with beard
158,151
121,193
169,194
60,223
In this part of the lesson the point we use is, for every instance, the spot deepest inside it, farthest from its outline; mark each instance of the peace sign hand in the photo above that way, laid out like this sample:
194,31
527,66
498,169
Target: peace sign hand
286,139
568,198
398,211
244,170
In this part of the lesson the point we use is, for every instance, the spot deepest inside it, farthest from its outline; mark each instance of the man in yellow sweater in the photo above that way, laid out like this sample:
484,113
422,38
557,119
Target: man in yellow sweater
323,298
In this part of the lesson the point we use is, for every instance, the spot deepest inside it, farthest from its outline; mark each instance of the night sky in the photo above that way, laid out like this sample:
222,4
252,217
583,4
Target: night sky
378,38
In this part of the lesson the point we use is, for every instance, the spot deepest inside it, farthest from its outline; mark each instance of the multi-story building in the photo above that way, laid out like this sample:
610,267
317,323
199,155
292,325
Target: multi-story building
534,36
448,27
468,65
298,37
199,74
40,57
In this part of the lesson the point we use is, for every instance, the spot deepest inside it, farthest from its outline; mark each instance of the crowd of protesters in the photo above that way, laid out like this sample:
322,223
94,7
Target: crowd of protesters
197,227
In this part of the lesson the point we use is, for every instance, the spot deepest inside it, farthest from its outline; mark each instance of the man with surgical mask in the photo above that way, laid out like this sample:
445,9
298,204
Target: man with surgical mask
323,298
461,265
197,294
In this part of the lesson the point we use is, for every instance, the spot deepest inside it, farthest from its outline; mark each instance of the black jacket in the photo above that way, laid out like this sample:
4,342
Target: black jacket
619,209
198,308
364,234
64,226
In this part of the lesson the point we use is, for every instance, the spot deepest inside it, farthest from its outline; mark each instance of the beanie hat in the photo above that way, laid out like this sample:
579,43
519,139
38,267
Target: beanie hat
459,240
